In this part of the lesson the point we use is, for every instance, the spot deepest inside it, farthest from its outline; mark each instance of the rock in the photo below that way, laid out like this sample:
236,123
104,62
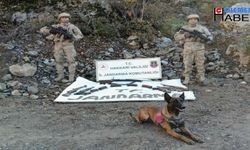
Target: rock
26,59
14,84
45,80
26,94
208,90
211,66
8,45
33,89
170,74
111,50
243,82
19,17
34,96
127,55
107,54
164,62
49,62
145,46
33,53
2,87
229,76
133,45
16,93
7,77
247,77
213,56
133,42
164,42
23,70
132,37
236,76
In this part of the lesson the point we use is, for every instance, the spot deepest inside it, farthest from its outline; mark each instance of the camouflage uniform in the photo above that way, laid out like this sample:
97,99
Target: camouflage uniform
194,49
65,47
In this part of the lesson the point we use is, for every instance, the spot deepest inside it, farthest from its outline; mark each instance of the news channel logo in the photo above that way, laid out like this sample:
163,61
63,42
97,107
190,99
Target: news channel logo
236,14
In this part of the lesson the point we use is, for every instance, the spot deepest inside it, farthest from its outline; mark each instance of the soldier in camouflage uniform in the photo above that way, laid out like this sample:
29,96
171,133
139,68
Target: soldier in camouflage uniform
64,46
194,48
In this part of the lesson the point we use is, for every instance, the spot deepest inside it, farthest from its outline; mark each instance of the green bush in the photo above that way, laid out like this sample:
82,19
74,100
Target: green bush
102,27
170,25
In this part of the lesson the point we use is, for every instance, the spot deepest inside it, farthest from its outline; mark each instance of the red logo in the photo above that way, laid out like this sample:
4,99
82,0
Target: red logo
218,11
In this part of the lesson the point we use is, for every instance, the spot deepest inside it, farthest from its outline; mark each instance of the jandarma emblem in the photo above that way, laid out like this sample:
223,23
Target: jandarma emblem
153,64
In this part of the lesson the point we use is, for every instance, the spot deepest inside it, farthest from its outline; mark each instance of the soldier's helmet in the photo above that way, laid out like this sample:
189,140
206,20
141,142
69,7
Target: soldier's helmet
193,16
63,15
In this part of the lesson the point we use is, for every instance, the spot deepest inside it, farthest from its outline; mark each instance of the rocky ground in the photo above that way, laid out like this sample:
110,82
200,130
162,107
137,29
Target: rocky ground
30,119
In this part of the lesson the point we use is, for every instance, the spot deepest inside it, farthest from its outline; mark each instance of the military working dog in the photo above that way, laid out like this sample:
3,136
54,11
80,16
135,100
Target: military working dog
167,118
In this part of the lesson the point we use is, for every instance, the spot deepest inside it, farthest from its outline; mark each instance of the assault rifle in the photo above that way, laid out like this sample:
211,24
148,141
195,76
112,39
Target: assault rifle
68,93
61,31
196,34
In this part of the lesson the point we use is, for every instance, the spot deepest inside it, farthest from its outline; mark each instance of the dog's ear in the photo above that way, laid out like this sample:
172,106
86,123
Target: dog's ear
167,97
182,96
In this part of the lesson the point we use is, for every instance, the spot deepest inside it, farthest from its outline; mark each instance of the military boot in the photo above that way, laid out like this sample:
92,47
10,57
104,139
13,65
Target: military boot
202,80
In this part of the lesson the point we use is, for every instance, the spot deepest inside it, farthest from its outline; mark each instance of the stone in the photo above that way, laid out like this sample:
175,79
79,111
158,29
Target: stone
33,89
33,53
45,80
145,46
7,77
24,70
236,76
127,55
132,37
208,90
229,76
111,50
164,62
164,42
3,87
49,62
34,97
16,93
247,77
19,17
243,82
14,84
26,94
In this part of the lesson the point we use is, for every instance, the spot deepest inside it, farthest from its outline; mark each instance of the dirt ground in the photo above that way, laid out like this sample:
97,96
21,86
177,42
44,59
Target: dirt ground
221,117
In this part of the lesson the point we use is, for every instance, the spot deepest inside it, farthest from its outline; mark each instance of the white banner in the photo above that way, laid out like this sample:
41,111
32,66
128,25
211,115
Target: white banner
83,90
142,68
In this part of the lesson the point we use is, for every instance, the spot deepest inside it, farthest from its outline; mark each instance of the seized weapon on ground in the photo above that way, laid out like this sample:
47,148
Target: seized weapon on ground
83,92
68,93
156,88
196,34
61,31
